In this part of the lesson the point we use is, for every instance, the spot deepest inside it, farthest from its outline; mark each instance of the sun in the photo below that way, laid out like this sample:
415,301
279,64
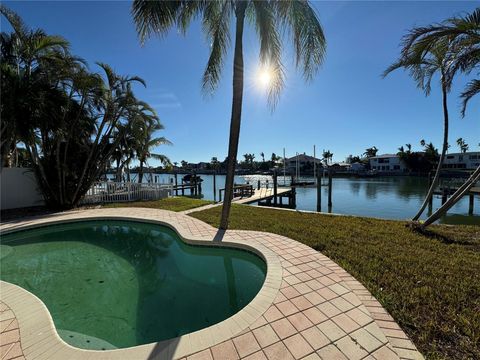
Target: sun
264,77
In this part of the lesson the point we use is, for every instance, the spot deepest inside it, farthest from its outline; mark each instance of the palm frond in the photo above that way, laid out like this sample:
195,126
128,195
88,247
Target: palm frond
308,37
154,17
162,158
16,21
215,23
270,47
472,89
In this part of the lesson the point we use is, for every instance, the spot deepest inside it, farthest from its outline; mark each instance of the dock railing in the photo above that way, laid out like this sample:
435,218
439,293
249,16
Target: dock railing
110,192
244,190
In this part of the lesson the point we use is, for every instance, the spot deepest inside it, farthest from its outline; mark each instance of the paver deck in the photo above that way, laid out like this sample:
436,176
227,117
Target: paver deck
317,311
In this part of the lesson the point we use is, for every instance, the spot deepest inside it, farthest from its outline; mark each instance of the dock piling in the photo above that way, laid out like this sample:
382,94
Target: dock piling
319,191
470,204
215,186
275,183
329,189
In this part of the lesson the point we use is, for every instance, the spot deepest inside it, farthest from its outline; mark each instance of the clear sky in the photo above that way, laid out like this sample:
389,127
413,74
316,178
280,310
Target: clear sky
347,108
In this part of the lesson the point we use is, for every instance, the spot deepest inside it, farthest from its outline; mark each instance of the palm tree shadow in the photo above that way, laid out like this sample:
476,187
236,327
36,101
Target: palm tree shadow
439,237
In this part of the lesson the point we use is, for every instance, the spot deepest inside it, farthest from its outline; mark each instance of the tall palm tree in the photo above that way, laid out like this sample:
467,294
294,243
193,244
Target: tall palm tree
459,37
270,19
423,66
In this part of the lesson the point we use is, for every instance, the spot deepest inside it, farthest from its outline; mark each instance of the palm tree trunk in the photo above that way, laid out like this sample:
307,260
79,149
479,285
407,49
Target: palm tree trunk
236,114
442,155
461,191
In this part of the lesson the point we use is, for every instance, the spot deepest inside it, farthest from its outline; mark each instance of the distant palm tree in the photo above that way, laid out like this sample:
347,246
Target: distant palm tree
422,142
145,141
262,155
270,18
462,145
327,156
371,152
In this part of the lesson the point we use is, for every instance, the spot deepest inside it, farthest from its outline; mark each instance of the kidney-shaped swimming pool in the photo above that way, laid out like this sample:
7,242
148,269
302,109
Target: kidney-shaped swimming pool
115,284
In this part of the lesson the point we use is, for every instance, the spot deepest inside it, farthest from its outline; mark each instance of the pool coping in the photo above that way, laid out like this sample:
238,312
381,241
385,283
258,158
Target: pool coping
42,332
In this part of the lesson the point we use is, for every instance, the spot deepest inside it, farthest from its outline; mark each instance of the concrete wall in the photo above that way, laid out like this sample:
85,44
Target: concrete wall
19,189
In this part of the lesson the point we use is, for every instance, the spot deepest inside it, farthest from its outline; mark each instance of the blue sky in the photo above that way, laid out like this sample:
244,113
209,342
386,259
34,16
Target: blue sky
347,108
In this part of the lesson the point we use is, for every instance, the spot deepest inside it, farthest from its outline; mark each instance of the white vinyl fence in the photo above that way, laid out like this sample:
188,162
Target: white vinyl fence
109,191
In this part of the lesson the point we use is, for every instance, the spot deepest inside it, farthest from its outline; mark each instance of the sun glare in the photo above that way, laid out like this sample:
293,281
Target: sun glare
264,77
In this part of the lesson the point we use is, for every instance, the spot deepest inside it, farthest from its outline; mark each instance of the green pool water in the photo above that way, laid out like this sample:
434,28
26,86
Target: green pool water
115,284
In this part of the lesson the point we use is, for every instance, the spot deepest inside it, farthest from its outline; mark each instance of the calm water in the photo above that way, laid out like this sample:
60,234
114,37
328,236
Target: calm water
382,197
114,284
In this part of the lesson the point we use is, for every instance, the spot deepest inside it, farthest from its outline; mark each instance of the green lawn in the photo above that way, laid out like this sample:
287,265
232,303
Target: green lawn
172,204
429,284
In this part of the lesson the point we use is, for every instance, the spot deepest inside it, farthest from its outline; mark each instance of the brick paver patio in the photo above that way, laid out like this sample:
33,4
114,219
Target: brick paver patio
319,312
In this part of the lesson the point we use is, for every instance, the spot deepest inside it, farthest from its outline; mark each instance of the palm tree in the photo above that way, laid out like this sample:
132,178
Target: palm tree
462,145
327,156
371,152
23,52
458,39
262,155
146,127
69,120
462,33
270,18
423,67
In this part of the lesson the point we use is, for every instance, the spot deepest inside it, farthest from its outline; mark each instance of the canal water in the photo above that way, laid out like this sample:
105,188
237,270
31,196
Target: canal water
395,197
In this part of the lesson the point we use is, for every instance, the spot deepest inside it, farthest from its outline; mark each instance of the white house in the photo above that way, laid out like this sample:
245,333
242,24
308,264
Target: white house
387,163
468,160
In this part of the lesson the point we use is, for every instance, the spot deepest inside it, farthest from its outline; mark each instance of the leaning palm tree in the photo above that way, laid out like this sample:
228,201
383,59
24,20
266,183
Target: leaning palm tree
423,66
460,35
270,19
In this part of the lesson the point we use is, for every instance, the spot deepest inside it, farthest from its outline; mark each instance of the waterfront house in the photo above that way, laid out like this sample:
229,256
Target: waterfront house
389,163
305,163
467,161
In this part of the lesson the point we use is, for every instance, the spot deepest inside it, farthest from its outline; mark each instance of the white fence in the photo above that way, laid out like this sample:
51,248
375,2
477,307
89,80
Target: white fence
109,191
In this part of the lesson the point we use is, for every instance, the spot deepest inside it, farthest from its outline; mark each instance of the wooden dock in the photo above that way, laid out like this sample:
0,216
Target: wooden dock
262,194
446,192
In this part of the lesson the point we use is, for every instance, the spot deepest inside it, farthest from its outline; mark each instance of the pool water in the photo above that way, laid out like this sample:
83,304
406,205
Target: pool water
115,284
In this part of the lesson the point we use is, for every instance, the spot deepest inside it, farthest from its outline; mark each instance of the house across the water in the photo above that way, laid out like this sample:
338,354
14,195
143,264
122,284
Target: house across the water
389,163
468,160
